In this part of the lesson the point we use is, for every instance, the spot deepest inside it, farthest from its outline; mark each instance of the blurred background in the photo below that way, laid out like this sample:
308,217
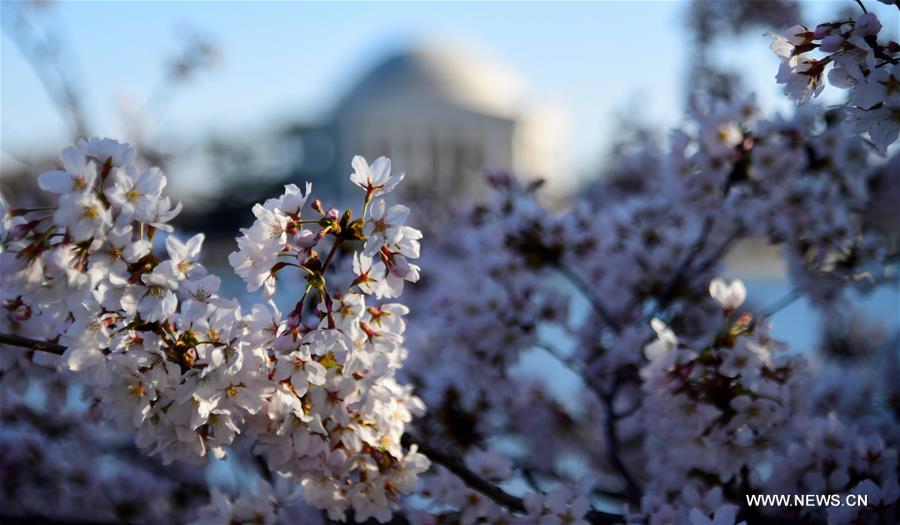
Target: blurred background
236,99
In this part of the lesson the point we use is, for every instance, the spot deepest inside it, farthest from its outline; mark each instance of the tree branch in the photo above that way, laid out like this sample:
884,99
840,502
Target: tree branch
34,344
780,304
669,292
632,489
495,493
588,293
473,480
11,519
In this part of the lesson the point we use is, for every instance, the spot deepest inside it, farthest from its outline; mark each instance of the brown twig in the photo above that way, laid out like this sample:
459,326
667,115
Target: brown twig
330,256
470,478
34,344
10,519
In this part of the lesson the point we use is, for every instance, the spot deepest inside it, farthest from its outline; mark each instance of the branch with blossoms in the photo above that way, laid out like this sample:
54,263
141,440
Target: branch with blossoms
869,69
451,463
34,344
186,369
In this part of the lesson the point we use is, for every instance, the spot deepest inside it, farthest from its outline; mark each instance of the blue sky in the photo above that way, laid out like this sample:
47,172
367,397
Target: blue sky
290,61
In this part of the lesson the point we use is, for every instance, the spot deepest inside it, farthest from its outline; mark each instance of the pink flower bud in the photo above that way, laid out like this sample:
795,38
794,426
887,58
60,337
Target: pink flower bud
19,231
306,238
867,25
831,44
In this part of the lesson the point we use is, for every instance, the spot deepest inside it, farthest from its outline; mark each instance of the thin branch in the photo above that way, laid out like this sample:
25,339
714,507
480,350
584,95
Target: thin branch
34,344
716,256
630,412
585,289
469,477
861,6
530,476
10,519
669,292
566,361
334,248
632,489
575,367
780,304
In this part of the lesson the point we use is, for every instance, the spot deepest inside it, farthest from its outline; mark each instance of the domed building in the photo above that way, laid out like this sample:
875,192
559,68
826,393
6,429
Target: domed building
443,112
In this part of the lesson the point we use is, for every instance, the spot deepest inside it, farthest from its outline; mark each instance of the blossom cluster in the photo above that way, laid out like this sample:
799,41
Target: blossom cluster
188,371
146,330
869,69
336,415
713,410
803,183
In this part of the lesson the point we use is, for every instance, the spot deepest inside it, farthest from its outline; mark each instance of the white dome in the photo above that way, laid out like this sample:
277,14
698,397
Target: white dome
456,72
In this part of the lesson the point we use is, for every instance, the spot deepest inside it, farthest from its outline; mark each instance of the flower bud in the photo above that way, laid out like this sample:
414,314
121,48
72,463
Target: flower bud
306,238
831,44
822,30
867,25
